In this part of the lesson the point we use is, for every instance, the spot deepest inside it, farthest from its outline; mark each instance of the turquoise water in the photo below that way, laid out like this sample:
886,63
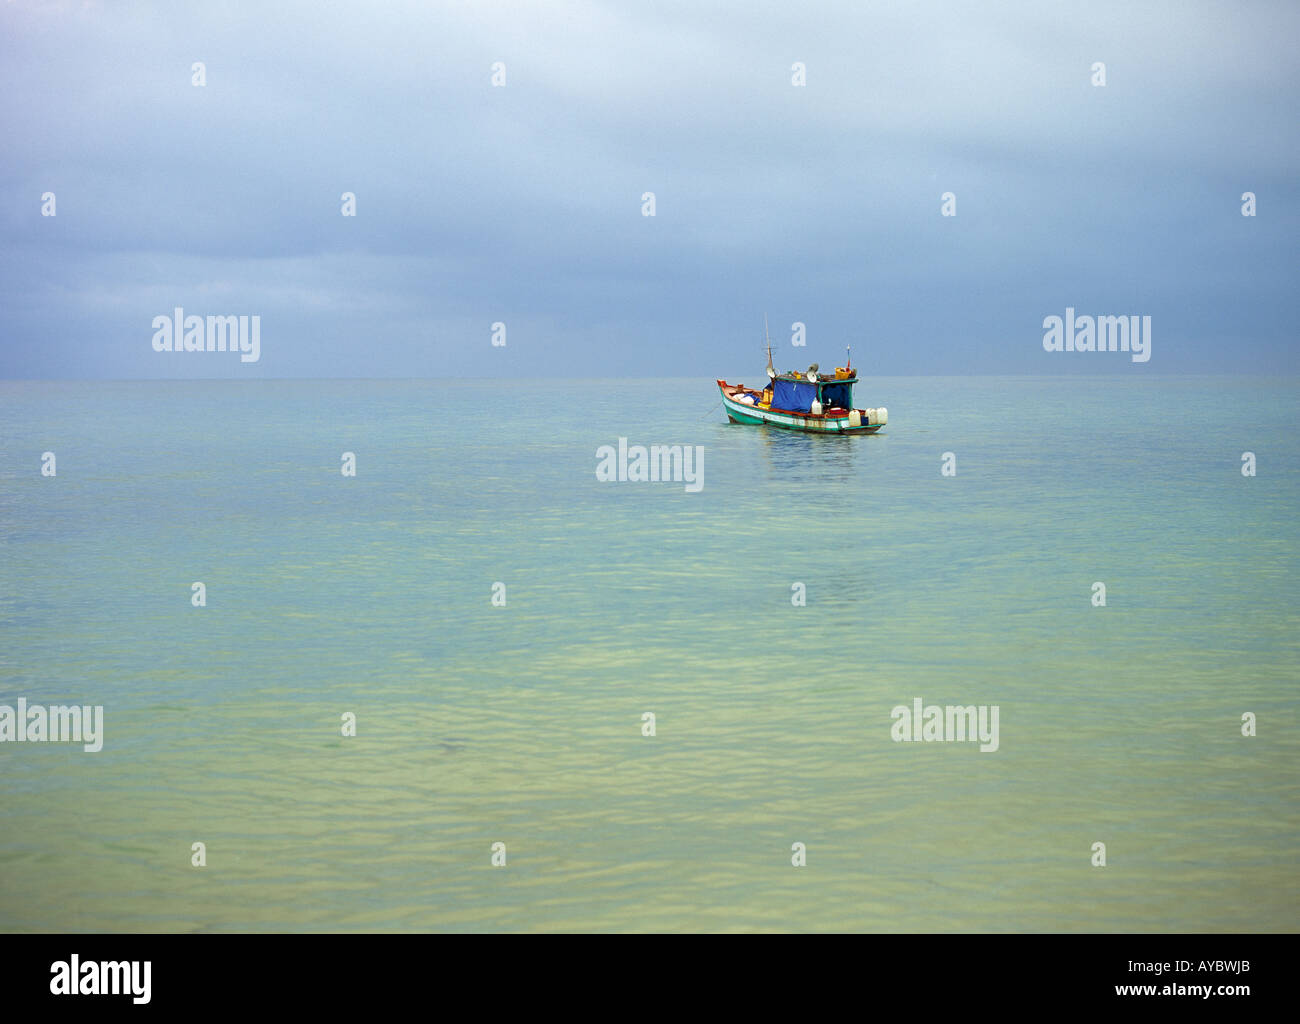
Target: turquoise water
521,724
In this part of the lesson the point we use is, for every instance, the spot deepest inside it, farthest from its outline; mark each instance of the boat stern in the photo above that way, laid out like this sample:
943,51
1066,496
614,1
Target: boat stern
868,417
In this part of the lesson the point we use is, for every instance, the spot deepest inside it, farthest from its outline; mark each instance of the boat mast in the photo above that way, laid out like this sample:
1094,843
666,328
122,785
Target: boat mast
771,370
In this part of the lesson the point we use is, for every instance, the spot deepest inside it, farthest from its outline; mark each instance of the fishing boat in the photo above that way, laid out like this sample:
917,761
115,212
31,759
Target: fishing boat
814,402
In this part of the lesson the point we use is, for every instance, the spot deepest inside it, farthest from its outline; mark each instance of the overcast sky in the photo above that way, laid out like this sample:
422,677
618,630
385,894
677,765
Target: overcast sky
522,204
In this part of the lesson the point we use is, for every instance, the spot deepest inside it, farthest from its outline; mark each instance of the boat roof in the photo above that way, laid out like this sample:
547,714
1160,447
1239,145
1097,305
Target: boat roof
822,378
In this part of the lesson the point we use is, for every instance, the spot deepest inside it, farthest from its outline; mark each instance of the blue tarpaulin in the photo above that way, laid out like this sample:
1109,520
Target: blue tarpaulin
795,395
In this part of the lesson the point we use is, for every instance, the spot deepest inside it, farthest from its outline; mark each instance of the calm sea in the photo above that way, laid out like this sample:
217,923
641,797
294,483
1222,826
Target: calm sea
479,724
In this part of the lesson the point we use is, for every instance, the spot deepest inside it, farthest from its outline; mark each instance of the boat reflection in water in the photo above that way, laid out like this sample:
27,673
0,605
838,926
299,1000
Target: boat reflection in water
799,458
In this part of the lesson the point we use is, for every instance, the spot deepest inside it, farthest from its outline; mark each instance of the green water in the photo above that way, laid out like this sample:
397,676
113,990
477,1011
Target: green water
522,724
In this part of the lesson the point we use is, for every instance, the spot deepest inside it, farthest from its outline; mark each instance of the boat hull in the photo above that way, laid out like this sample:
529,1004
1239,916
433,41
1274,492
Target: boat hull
743,412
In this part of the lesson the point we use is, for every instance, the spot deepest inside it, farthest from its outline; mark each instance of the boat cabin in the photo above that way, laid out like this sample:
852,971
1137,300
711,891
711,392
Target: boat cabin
796,393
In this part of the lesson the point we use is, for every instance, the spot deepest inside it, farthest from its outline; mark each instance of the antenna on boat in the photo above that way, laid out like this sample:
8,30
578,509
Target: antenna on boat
771,370
848,363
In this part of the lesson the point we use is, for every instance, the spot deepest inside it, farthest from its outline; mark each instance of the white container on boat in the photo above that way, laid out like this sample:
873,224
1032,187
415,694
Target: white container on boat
883,414
816,409
855,418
